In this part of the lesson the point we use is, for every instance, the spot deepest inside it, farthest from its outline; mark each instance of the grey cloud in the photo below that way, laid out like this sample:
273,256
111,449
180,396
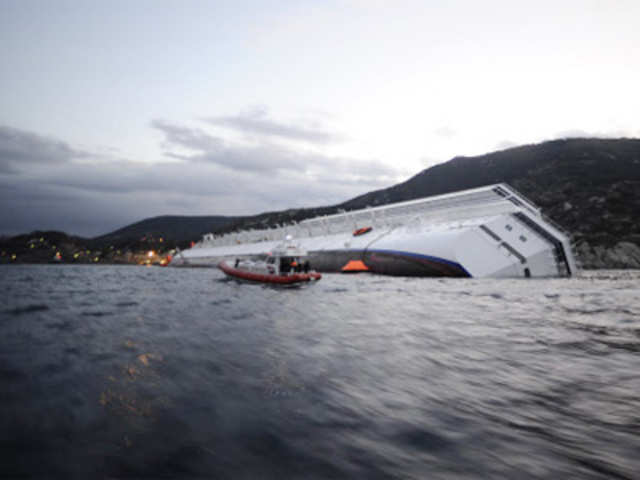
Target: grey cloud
130,177
29,206
191,138
267,158
6,166
216,178
264,158
20,148
96,200
257,122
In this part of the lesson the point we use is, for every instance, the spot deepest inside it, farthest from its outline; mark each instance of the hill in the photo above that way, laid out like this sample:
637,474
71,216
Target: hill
130,244
173,229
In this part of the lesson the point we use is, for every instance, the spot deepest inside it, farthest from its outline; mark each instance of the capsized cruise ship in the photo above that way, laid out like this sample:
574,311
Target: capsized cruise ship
490,231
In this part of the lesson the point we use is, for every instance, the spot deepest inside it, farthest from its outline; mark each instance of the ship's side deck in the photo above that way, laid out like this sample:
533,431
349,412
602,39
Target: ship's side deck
452,207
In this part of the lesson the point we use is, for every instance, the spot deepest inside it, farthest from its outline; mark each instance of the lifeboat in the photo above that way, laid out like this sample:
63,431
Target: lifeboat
362,231
354,266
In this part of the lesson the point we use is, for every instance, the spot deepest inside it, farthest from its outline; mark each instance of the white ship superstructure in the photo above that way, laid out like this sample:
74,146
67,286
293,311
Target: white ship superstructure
491,231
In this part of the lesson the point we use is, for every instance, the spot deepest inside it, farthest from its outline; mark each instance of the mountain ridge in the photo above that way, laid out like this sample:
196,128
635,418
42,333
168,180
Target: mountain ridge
177,228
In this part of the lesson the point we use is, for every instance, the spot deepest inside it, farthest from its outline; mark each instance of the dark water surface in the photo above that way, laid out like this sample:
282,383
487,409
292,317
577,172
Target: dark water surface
131,372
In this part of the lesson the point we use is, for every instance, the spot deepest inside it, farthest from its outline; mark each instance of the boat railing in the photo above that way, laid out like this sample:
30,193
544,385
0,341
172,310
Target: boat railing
411,218
516,197
409,208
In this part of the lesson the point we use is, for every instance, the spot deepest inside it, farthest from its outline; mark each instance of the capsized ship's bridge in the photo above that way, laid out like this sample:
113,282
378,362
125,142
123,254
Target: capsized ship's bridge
491,231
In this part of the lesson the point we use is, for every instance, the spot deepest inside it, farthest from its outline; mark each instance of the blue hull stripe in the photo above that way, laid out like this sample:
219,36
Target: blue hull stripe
421,257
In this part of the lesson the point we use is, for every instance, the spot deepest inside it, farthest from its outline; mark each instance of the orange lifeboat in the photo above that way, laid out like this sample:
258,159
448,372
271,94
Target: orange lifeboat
362,231
355,266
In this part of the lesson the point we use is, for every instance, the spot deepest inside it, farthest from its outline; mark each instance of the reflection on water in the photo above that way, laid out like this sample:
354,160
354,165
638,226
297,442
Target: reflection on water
124,372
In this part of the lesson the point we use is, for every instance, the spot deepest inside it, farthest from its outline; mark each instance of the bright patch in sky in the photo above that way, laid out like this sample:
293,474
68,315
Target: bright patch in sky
112,112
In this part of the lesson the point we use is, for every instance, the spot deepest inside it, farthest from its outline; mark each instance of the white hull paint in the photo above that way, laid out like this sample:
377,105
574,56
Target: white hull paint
490,231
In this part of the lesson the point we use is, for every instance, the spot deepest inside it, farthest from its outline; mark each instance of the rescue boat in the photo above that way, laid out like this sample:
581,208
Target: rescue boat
287,264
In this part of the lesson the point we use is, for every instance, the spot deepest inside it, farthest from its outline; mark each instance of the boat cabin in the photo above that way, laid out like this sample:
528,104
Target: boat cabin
283,265
285,259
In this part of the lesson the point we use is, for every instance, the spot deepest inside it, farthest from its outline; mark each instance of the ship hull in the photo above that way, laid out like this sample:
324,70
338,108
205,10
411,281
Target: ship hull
387,262
486,232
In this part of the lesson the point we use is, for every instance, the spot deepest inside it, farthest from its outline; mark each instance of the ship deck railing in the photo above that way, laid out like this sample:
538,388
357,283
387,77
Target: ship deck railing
414,214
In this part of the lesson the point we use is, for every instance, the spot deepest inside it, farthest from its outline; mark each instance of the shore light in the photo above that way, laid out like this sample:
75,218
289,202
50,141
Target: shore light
150,253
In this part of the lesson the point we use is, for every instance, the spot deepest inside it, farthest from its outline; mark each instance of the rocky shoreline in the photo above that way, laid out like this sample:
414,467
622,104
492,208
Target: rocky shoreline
622,255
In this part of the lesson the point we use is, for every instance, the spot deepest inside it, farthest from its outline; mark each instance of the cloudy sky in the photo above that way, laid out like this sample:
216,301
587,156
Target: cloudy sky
111,112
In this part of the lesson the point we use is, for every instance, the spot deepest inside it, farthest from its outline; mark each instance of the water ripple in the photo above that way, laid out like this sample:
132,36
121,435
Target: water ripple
27,309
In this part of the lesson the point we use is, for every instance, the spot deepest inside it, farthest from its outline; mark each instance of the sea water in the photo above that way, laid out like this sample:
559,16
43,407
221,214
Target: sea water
134,372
